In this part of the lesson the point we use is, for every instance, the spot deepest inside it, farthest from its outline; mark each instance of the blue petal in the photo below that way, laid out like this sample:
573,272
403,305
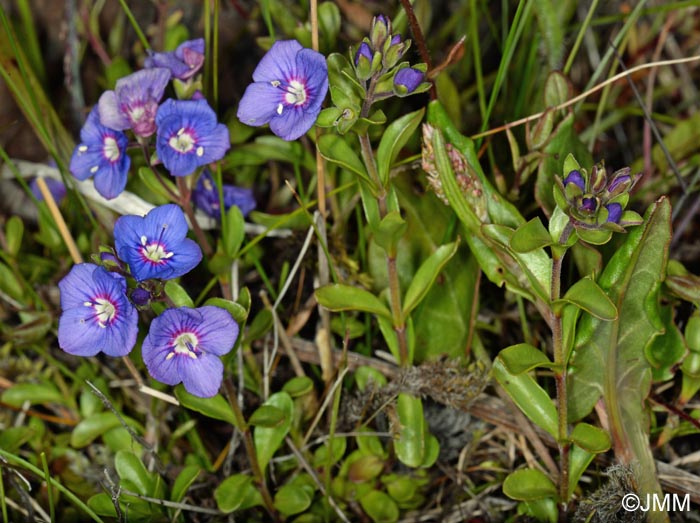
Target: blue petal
259,104
217,331
279,63
187,256
215,144
314,73
110,180
79,334
293,123
142,86
76,286
202,376
82,162
110,115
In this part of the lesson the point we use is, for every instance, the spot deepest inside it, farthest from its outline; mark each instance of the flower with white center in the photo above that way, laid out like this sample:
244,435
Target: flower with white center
189,136
97,315
155,245
290,83
102,155
134,101
185,345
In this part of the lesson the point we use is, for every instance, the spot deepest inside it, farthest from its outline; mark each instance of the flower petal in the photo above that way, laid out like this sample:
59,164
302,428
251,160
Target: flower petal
293,123
259,104
111,181
217,331
202,376
279,63
110,115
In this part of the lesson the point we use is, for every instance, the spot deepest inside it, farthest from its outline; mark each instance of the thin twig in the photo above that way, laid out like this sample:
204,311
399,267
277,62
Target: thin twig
586,94
60,222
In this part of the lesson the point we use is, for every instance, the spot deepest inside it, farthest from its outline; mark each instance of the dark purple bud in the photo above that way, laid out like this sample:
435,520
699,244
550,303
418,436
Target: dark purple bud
396,39
575,178
589,204
363,50
140,297
621,183
409,78
108,258
614,212
380,31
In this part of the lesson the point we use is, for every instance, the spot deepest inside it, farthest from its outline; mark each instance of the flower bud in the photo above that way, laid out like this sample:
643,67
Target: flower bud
363,61
380,31
575,178
394,49
407,80
614,212
140,297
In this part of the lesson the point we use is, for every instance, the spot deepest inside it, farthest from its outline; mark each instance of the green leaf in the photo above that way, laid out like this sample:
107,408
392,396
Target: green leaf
668,350
523,357
530,236
267,416
235,231
391,229
588,296
579,460
14,230
380,507
232,492
529,485
590,438
183,482
156,185
529,396
557,90
93,427
394,138
216,407
411,446
292,499
261,325
298,386
33,393
178,294
269,439
340,297
425,276
330,453
609,357
336,150
10,284
133,473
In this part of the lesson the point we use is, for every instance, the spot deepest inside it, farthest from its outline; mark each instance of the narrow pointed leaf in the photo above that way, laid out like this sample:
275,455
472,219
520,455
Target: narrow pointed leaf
426,274
339,297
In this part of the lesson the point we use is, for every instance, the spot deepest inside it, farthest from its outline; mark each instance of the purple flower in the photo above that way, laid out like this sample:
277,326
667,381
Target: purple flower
134,101
408,78
575,178
290,83
189,136
56,188
102,154
206,197
184,345
614,212
156,246
97,316
183,63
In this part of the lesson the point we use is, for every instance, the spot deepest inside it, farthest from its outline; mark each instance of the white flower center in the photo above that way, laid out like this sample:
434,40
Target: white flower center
105,311
110,149
185,343
154,251
183,142
136,113
296,93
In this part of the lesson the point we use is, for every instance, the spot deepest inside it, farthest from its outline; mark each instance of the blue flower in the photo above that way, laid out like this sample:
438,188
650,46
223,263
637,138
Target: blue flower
290,83
183,62
184,345
102,154
97,316
408,79
156,246
189,136
134,101
206,197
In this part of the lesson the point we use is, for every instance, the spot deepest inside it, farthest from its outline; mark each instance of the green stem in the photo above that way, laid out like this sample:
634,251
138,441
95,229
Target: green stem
560,375
243,426
186,204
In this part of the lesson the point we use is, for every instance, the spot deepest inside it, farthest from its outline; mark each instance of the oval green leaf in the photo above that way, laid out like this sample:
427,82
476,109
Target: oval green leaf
588,296
393,140
426,274
292,499
215,407
529,485
523,357
340,297
269,439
